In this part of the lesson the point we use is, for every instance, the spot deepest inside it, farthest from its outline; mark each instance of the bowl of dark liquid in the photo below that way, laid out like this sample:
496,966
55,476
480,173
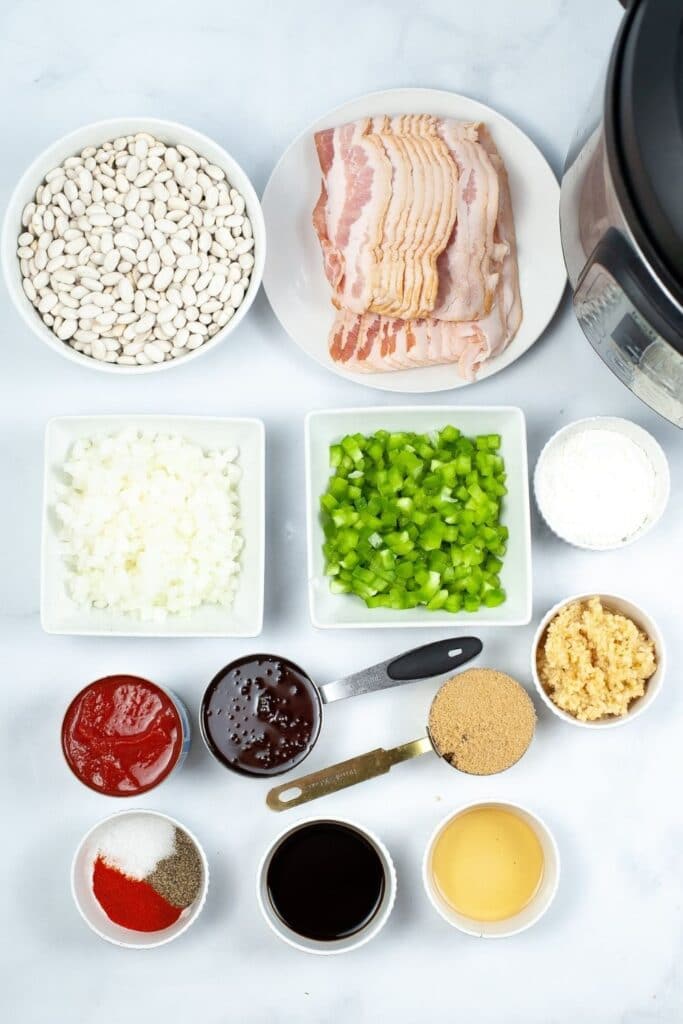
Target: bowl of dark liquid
326,885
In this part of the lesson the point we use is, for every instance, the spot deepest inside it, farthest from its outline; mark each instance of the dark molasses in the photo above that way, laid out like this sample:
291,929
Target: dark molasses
326,881
261,715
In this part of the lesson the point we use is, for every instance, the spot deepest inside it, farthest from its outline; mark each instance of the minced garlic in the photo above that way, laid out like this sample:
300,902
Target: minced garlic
593,662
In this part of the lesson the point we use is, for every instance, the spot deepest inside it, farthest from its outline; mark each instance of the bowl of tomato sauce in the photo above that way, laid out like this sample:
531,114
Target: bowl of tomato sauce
123,735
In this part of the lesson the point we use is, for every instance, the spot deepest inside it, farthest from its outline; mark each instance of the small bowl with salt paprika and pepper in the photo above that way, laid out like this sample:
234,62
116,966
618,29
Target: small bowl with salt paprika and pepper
139,879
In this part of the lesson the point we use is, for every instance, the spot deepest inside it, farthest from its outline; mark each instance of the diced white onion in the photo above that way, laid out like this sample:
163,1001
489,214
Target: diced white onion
150,524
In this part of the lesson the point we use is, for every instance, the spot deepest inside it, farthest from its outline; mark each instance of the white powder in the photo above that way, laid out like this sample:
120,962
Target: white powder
595,487
135,843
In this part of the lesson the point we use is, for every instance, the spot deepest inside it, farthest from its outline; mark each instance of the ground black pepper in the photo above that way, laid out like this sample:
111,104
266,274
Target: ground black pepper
178,878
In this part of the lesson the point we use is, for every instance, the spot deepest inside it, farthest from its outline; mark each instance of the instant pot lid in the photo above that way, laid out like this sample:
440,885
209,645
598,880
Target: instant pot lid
645,131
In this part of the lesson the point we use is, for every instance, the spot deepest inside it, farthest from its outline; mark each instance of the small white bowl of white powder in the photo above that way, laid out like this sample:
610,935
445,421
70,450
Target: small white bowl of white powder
601,483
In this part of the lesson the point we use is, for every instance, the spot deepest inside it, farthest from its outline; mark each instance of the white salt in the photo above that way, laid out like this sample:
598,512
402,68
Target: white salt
135,843
595,487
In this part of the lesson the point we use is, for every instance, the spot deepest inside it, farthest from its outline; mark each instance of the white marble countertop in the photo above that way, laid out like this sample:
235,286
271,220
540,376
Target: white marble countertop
610,950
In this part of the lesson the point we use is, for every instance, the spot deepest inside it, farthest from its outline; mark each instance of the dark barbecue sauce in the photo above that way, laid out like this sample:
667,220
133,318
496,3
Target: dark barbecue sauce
325,881
261,715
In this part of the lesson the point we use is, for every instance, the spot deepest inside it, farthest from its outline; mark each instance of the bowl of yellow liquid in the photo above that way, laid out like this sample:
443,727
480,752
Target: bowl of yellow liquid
491,869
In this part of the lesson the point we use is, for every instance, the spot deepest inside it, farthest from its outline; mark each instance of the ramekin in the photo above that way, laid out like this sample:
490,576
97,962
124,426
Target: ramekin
534,910
323,948
644,621
644,440
93,914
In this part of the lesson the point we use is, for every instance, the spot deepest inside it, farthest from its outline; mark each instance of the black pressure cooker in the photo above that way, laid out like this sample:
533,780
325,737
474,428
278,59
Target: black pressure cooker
621,209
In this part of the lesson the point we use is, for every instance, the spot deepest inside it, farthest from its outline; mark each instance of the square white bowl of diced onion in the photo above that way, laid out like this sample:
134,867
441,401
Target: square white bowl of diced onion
103,532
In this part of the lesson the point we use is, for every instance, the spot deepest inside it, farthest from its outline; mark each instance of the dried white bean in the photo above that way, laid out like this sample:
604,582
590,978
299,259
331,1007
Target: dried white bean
163,278
67,329
153,352
125,290
166,313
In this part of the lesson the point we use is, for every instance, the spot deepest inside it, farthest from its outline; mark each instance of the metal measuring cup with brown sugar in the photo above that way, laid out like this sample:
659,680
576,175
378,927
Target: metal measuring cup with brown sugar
480,721
261,715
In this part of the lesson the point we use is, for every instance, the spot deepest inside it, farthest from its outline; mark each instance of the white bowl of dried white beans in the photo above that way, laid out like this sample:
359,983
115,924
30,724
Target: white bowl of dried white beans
184,246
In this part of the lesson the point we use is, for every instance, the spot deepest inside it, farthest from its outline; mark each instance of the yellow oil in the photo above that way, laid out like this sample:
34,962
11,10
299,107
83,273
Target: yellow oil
487,863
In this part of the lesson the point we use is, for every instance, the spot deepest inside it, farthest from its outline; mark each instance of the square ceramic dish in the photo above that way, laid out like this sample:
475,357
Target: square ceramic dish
346,611
59,614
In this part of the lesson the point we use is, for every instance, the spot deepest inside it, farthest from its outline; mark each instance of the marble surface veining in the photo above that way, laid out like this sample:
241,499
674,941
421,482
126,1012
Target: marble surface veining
253,75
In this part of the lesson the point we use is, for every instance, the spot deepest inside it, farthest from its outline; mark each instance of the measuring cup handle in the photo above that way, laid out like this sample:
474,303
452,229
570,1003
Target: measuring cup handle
340,776
433,659
424,662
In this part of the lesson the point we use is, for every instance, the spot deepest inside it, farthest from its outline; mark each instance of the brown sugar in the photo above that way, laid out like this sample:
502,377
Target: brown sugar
481,721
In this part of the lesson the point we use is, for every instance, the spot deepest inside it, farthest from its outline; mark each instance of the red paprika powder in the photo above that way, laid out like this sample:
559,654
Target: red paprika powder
130,903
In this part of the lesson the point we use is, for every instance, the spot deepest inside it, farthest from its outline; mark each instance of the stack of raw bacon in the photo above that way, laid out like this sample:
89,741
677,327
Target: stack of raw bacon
415,224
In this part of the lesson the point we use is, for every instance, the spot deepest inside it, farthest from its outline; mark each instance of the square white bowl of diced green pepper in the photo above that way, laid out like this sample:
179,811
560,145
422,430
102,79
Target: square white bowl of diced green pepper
418,516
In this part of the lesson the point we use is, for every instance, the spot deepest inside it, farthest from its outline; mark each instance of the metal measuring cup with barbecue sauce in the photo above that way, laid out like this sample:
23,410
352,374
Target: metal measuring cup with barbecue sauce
261,715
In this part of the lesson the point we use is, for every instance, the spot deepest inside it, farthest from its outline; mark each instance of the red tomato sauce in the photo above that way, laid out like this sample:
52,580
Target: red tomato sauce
122,735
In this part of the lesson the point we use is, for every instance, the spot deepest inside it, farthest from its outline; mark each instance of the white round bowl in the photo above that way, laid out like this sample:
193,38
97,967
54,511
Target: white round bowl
532,913
293,938
644,440
644,621
95,134
93,914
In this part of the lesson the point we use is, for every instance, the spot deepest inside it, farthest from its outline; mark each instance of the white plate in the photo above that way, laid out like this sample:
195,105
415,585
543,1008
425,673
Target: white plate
346,611
294,280
58,612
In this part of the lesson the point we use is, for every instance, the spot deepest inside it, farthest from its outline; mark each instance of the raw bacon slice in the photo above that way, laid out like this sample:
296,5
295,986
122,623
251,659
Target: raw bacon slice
415,224
349,214
385,213
467,281
375,344
420,216
508,296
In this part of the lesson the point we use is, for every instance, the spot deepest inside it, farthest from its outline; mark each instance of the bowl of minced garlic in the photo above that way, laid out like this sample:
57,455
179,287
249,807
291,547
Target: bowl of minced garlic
597,660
